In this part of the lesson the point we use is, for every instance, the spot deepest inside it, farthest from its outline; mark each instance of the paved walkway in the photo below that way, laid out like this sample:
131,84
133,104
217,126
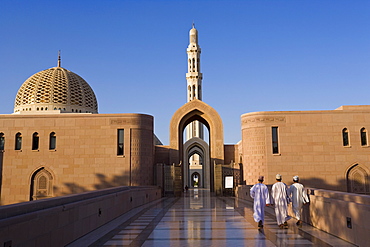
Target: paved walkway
198,219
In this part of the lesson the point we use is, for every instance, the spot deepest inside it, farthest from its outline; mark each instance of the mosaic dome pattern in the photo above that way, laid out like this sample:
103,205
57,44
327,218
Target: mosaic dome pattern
55,89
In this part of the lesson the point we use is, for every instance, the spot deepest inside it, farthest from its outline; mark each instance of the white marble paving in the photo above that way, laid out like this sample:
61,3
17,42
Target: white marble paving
210,221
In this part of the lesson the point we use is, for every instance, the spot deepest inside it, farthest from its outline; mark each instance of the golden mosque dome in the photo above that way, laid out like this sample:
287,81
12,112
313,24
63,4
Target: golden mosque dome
55,90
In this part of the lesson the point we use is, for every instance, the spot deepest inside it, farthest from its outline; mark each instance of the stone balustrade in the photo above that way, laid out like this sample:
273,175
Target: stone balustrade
345,215
60,220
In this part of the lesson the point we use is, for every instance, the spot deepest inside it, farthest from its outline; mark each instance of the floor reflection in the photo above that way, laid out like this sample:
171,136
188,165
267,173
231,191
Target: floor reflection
200,219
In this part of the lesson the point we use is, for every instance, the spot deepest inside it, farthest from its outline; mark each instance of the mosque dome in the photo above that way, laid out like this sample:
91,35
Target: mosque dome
55,90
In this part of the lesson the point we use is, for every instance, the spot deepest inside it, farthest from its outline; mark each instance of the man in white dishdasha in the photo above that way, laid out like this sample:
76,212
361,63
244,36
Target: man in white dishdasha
299,197
259,192
280,200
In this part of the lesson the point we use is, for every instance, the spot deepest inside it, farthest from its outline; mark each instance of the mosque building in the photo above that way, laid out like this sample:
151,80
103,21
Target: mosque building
56,143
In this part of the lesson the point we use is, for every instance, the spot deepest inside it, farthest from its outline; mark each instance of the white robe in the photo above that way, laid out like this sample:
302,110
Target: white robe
279,194
260,193
299,196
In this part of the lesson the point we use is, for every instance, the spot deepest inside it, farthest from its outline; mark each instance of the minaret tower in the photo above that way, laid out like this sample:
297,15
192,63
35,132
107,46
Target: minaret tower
194,81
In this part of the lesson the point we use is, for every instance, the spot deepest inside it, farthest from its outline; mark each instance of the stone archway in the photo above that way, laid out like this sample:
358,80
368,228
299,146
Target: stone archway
197,146
41,184
357,180
196,179
200,111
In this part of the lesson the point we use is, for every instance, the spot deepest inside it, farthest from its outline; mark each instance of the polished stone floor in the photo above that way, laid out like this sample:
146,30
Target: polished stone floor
199,219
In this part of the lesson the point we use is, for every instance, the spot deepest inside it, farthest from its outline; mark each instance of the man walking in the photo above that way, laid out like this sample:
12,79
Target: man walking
299,197
260,194
280,199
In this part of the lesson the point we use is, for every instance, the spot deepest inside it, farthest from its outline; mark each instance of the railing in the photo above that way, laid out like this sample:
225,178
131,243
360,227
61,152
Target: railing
345,215
61,220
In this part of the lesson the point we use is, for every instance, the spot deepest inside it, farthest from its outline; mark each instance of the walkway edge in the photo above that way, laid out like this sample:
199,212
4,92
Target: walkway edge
98,233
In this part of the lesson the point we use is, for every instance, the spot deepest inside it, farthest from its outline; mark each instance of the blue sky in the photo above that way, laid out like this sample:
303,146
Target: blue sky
256,55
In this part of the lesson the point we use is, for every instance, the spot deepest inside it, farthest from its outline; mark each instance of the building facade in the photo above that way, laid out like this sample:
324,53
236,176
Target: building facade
55,143
327,149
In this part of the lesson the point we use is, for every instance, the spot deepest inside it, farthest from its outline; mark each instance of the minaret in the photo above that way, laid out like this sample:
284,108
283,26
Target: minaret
194,81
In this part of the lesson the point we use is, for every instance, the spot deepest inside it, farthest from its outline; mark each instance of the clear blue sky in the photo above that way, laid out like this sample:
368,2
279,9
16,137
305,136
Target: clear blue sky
256,55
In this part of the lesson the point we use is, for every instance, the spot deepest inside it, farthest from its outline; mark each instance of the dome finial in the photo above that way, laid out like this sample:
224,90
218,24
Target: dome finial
59,59
193,25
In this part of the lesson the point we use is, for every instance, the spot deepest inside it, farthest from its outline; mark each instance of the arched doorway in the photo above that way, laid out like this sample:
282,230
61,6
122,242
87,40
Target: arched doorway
41,185
358,180
197,110
196,180
197,147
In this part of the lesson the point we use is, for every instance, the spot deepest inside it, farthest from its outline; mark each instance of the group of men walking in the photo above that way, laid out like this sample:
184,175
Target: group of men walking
281,196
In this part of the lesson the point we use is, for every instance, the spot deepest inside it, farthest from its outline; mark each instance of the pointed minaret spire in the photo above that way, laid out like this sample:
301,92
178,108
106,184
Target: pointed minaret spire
193,35
59,59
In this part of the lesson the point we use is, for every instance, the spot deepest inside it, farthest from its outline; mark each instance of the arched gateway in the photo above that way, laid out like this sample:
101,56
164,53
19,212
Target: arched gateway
197,110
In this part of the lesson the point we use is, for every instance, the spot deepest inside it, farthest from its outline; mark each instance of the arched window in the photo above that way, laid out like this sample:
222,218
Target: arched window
18,141
52,141
41,185
193,64
345,136
2,141
358,180
35,141
363,137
